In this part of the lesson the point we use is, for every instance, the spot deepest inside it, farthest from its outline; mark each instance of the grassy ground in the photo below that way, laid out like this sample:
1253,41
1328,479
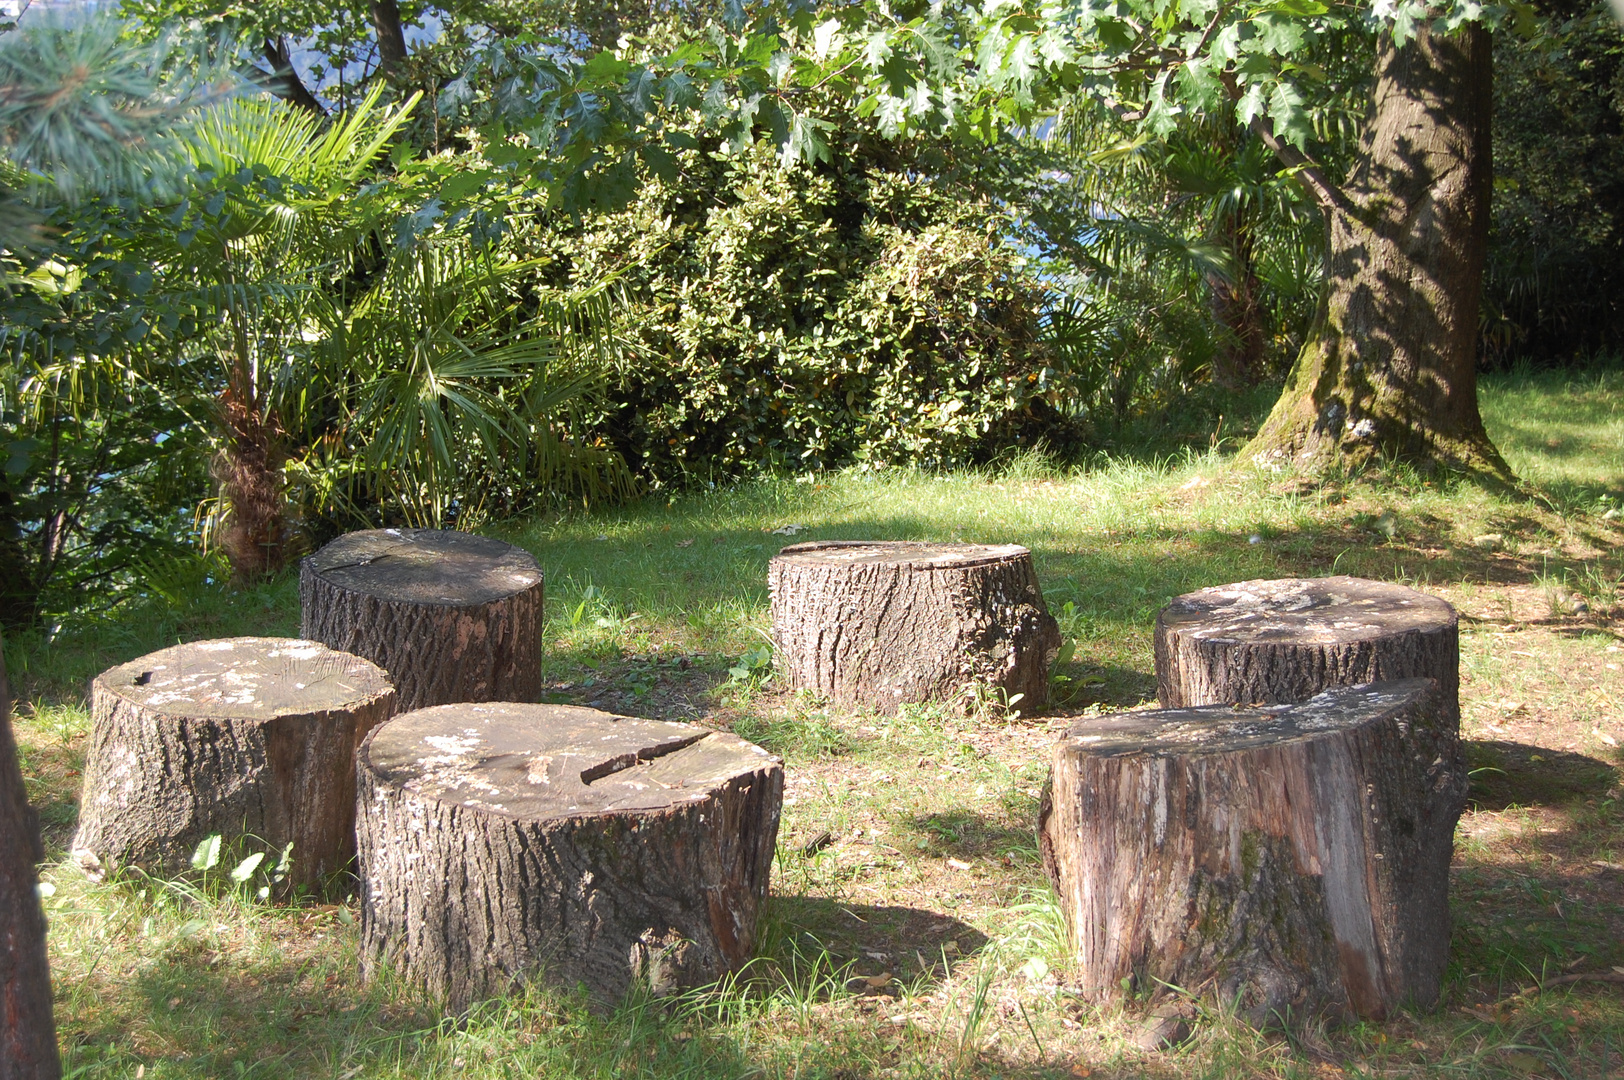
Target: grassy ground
919,939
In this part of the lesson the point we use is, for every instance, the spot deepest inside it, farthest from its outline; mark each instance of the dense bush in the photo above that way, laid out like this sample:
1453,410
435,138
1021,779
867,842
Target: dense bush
794,319
1554,286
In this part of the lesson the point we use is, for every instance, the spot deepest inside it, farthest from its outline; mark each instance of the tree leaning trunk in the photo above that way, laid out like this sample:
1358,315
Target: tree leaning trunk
27,1032
1391,365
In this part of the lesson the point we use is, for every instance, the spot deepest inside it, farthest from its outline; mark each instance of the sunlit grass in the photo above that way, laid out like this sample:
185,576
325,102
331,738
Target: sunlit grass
907,847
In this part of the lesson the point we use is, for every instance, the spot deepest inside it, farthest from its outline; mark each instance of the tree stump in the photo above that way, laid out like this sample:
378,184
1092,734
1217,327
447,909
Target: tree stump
1294,858
27,1032
879,624
245,737
504,842
1278,642
450,615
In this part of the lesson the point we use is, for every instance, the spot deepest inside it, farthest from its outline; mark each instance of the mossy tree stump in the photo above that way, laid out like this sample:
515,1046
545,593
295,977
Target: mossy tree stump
1294,858
245,737
507,842
1273,642
879,624
450,615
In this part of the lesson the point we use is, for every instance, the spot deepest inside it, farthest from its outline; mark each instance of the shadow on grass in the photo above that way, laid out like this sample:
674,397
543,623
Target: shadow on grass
798,931
970,835
1507,774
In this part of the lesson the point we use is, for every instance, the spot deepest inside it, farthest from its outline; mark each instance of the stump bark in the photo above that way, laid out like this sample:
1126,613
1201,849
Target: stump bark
451,616
251,738
1294,858
879,624
1274,642
505,842
27,1032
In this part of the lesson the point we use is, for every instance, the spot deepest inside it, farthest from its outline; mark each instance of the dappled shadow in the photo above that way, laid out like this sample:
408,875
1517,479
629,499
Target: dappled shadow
970,835
859,940
1506,774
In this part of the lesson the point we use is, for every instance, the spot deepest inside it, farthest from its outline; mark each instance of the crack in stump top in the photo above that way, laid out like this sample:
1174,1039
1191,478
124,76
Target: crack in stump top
247,678
912,554
1306,611
551,761
1216,729
426,566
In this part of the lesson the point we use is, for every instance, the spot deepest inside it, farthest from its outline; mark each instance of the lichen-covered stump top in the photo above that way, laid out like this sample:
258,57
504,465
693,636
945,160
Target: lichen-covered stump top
882,623
246,737
1294,858
1272,642
450,615
507,842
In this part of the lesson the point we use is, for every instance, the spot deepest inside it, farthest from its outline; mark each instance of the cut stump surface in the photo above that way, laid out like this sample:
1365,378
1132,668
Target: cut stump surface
879,624
1274,642
505,842
1293,858
245,737
450,615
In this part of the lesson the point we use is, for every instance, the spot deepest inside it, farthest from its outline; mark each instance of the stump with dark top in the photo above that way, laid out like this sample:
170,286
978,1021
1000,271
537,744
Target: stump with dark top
506,842
1293,857
450,615
245,737
1275,642
879,624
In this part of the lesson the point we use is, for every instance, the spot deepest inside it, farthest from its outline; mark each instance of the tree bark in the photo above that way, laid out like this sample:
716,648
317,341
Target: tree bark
251,738
27,1031
1276,642
879,624
391,37
1390,367
1293,860
451,616
284,80
1239,362
506,842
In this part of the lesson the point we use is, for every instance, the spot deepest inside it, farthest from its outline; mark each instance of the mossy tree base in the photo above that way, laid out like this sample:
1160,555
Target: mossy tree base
1293,860
1389,372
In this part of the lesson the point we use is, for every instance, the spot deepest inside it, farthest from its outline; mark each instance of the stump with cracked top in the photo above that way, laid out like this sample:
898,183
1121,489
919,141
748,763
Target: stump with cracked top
1293,857
878,624
1272,642
450,615
504,842
246,737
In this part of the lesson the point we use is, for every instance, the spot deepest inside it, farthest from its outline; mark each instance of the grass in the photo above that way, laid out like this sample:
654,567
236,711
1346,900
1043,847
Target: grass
910,933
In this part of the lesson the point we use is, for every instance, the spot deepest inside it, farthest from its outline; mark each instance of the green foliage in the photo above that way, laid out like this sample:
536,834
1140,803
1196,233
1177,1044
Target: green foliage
804,318
1554,286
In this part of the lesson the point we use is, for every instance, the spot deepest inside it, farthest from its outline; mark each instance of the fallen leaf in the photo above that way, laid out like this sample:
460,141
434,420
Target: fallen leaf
1527,1064
685,543
1080,1069
788,530
958,864
884,978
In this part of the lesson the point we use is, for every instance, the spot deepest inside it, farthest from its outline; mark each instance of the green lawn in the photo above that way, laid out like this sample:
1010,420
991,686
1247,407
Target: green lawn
649,605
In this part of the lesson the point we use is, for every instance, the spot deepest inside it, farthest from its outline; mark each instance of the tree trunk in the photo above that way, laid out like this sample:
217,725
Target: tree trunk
450,615
27,1032
391,37
1239,362
251,738
1293,860
506,842
284,80
255,534
879,624
1277,642
1390,367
